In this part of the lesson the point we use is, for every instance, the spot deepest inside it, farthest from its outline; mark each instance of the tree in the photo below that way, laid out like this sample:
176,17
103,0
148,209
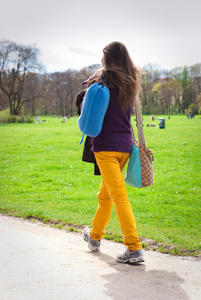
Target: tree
168,96
189,96
46,100
195,73
17,65
181,75
59,86
31,92
3,101
152,74
185,77
177,96
66,85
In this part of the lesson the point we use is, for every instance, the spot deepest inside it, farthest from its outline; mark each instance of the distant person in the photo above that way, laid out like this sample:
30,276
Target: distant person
64,119
112,148
152,117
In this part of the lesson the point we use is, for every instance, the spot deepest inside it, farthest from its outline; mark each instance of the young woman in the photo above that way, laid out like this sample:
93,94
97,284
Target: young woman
112,148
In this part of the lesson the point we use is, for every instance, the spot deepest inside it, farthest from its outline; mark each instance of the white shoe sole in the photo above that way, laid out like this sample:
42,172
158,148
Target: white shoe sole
92,248
131,260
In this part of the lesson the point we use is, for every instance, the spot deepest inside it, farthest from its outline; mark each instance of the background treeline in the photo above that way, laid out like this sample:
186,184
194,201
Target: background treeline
26,89
171,92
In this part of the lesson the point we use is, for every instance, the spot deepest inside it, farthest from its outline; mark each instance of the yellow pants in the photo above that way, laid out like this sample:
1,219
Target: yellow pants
113,191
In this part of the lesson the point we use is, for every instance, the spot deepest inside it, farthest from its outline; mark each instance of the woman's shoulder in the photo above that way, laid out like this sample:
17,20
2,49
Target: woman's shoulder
113,90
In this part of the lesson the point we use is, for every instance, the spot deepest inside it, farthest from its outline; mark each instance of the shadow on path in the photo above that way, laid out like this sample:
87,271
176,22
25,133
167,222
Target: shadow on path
133,282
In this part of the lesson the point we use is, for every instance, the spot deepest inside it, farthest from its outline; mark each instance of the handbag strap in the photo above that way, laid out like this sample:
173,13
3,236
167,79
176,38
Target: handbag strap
139,121
132,131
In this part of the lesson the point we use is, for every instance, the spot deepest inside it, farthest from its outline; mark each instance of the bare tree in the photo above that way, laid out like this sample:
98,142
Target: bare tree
59,88
152,72
195,72
32,91
3,101
17,64
72,90
46,98
65,86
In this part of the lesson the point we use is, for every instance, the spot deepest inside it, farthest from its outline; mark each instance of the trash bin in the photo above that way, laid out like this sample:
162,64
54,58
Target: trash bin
162,123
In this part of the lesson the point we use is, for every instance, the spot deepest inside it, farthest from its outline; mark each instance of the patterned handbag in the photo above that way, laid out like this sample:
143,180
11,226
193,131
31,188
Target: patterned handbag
140,166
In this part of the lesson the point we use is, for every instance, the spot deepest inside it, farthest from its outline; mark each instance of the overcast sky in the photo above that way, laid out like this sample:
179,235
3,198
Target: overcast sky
72,33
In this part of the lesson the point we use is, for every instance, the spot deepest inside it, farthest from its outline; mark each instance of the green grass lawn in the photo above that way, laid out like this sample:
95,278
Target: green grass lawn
42,176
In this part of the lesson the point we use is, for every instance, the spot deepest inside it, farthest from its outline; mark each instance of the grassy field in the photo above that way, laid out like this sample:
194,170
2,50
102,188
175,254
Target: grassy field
42,176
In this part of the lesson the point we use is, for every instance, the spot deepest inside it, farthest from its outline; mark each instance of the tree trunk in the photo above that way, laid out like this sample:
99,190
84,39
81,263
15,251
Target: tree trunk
33,112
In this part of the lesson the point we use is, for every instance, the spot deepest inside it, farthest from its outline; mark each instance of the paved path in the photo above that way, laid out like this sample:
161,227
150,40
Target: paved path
38,262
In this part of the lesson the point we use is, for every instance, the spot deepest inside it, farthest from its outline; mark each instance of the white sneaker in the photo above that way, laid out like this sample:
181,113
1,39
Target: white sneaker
92,244
130,256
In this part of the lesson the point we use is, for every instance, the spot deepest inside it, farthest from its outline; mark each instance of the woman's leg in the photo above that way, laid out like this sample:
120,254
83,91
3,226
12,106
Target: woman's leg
103,213
111,165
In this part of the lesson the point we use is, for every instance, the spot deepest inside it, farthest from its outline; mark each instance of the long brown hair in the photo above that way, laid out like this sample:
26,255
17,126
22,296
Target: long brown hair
120,71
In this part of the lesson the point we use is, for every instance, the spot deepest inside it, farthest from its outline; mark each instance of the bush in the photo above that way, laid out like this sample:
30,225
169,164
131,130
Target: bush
9,119
19,120
193,109
29,119
5,117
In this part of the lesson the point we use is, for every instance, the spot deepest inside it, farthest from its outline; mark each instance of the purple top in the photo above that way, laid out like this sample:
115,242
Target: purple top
116,130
